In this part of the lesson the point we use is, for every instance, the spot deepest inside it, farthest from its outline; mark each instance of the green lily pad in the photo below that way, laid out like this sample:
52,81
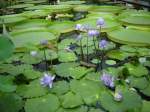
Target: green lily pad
79,109
71,100
60,87
72,2
112,9
130,37
140,83
11,19
19,6
47,103
146,91
93,76
119,55
145,107
110,62
65,56
89,90
6,84
136,70
31,23
35,13
82,8
131,101
34,89
61,27
6,47
10,102
71,70
31,36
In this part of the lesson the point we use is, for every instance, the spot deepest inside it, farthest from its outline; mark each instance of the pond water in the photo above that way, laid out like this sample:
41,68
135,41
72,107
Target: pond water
74,57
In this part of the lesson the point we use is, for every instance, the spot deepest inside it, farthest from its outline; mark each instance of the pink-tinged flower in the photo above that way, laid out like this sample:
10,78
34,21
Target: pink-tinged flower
100,22
47,80
103,44
33,53
118,96
92,33
78,27
108,80
44,42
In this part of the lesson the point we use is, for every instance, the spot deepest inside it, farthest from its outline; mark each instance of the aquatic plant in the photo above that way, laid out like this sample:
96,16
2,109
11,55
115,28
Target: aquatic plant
47,80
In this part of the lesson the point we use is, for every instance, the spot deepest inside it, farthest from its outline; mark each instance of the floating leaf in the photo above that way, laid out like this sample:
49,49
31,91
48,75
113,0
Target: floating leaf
65,56
130,37
136,70
34,89
131,101
71,100
79,109
6,84
89,90
10,102
60,87
47,103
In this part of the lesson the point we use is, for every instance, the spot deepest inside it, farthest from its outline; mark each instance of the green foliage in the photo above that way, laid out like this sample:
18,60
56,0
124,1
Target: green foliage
10,102
47,103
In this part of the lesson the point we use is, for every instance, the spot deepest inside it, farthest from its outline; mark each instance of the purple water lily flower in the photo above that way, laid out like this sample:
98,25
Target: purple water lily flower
108,80
78,27
103,44
100,22
47,80
118,96
92,33
44,42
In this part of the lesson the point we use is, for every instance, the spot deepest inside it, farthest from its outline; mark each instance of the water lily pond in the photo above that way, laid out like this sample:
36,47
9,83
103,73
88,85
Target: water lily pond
74,56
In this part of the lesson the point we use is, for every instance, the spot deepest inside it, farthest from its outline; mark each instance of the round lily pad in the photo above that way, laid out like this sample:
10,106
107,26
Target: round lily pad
31,23
131,37
131,101
47,103
11,19
19,6
62,27
31,36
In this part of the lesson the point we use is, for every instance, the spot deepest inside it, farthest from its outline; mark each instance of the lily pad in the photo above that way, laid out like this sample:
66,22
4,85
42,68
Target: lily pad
47,103
65,56
60,87
31,36
10,102
136,70
61,27
19,6
11,19
34,89
131,101
89,90
71,100
131,37
79,109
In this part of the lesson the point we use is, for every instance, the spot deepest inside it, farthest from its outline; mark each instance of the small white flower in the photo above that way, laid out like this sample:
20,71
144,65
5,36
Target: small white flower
142,60
118,96
33,53
127,81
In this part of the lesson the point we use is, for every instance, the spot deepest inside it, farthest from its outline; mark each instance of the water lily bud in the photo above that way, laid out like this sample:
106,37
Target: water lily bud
118,96
142,60
33,53
44,42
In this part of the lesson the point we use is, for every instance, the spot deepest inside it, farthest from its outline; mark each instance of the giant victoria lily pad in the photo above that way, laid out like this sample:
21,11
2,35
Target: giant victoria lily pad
11,19
130,36
33,36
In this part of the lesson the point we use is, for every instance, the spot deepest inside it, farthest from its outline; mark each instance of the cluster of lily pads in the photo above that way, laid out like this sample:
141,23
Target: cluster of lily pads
74,57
